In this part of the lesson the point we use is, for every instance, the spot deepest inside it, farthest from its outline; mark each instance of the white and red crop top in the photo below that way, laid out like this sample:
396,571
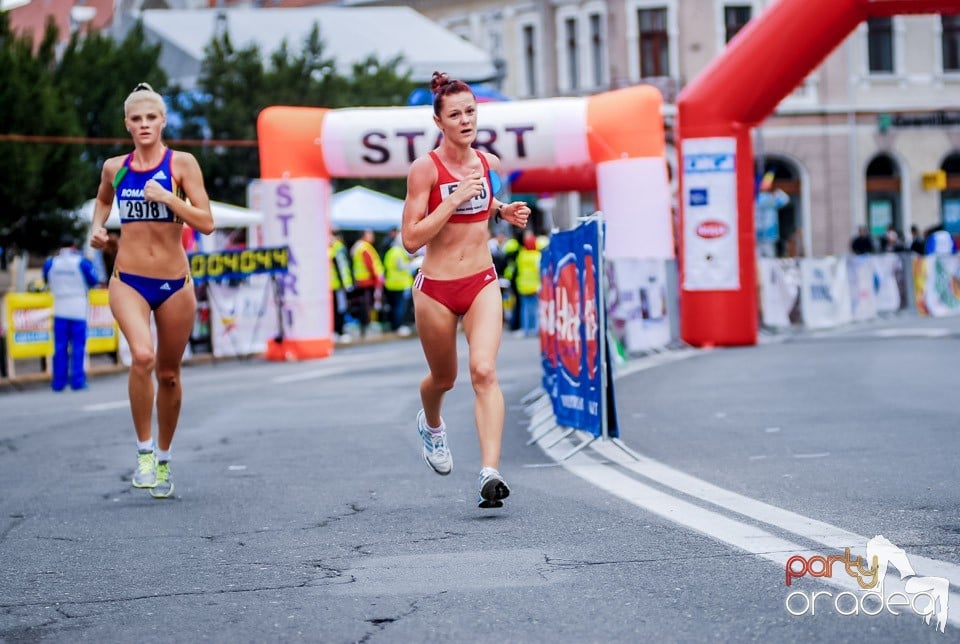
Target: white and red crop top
477,209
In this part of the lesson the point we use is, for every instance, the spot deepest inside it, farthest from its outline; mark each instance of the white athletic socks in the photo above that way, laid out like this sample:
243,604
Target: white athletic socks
162,455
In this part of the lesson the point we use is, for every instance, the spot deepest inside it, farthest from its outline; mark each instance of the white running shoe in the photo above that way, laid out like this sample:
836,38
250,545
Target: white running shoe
493,489
435,450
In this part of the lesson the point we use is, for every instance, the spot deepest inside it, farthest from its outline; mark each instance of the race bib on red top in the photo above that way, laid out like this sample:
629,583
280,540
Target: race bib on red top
478,204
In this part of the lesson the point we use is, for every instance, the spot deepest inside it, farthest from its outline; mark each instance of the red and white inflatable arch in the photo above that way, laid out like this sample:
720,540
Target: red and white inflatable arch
618,136
737,91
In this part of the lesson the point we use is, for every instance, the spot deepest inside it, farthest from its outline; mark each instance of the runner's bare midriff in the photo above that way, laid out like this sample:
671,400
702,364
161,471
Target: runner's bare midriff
152,250
457,251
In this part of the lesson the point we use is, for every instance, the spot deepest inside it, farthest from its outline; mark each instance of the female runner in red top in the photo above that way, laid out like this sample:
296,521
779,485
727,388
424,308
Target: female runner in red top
448,204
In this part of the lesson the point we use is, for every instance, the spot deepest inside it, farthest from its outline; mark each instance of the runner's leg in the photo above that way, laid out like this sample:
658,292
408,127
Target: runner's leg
132,313
437,328
174,324
483,325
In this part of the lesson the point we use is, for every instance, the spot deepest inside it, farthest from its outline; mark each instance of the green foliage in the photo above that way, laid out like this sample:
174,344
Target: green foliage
81,94
40,182
97,73
234,86
230,86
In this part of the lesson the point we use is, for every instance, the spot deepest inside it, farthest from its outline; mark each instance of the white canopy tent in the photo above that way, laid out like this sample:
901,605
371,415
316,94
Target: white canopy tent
360,208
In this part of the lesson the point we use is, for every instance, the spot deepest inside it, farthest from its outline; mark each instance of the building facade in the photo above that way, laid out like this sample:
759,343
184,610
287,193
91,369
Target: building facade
870,138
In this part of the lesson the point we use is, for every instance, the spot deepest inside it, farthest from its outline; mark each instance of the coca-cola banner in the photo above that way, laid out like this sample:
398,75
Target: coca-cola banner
570,331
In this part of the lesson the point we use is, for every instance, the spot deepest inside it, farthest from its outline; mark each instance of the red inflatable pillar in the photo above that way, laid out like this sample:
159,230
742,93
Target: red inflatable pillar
718,271
740,88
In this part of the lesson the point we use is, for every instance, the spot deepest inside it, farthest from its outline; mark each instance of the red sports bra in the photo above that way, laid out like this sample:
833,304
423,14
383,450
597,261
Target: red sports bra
477,209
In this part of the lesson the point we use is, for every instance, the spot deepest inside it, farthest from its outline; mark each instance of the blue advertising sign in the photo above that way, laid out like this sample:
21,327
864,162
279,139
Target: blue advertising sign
571,333
238,264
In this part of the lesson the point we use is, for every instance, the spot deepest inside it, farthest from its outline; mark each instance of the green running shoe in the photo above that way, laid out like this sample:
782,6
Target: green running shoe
146,473
164,487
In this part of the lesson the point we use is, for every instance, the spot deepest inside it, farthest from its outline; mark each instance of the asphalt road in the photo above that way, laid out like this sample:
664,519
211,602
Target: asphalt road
303,511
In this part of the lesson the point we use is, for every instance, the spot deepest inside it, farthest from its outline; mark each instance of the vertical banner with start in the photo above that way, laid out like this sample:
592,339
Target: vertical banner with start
574,361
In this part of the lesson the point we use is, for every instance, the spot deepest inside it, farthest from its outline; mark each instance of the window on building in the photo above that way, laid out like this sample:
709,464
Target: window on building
880,45
883,195
735,18
530,59
951,43
572,52
654,42
596,48
950,198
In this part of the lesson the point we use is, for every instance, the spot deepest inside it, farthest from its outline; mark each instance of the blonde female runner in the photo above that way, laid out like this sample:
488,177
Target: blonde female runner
151,274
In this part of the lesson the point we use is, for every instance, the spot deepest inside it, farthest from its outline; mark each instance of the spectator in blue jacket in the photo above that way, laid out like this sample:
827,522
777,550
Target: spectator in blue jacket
69,276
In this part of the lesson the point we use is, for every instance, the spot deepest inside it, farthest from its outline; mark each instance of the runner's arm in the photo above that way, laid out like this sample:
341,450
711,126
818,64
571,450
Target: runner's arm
196,213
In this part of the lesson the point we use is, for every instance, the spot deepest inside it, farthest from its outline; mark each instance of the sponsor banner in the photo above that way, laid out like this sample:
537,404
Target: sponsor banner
632,231
237,313
824,292
710,230
889,275
383,142
103,332
29,325
863,287
637,303
238,264
547,314
936,281
576,383
779,291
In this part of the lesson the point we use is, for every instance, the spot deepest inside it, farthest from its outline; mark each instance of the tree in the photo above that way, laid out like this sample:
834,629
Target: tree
42,182
96,98
234,86
45,182
225,108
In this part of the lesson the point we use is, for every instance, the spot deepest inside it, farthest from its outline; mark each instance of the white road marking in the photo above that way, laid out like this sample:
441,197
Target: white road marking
741,535
117,404
817,531
344,366
311,375
720,526
913,332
